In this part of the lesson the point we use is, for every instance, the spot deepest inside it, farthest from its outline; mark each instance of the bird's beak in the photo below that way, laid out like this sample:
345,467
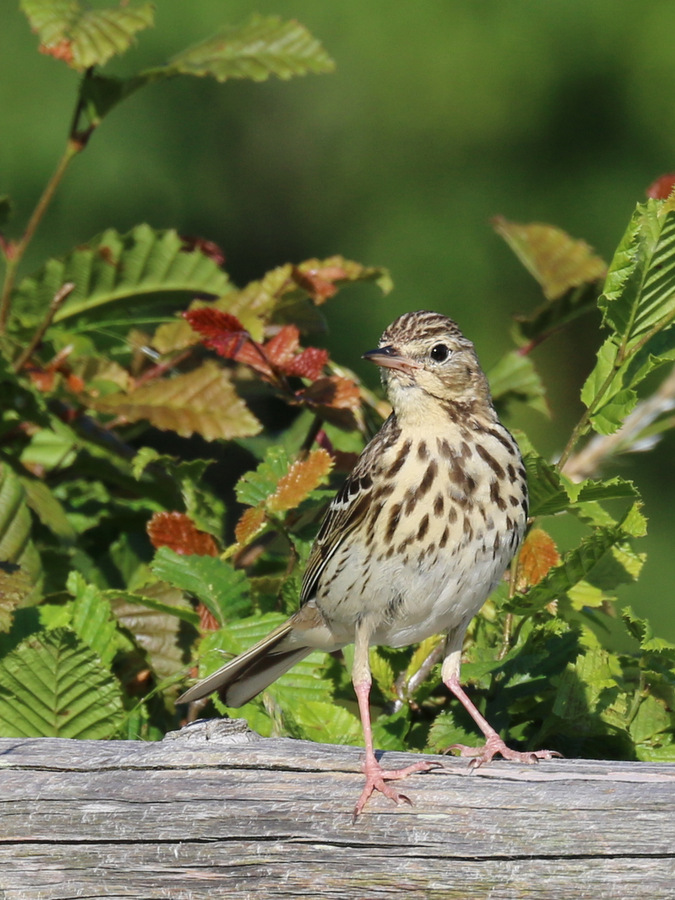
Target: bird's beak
389,358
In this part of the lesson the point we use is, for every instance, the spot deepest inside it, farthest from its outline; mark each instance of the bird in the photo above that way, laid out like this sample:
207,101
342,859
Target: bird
420,533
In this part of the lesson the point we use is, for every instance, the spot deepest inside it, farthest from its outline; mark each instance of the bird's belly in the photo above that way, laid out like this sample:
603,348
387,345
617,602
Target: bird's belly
410,599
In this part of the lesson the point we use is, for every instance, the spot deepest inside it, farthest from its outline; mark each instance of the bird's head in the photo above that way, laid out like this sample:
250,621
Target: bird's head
427,364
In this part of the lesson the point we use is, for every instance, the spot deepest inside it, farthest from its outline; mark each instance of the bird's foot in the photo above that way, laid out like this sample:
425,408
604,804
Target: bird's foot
495,745
377,778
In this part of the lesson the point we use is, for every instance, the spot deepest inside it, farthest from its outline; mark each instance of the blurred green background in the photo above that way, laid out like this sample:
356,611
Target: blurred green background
440,115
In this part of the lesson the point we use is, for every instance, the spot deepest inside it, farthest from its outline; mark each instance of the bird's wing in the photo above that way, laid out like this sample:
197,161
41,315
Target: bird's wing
346,512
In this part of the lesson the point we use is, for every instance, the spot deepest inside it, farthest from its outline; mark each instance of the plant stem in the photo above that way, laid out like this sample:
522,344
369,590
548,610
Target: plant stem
62,294
73,147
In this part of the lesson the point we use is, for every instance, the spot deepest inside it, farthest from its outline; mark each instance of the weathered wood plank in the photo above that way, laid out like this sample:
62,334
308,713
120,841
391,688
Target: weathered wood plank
202,817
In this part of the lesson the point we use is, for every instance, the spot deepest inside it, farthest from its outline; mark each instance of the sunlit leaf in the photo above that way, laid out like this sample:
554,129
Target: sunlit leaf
84,37
53,685
220,587
250,524
115,267
255,487
91,618
325,722
261,47
301,479
202,401
556,260
537,555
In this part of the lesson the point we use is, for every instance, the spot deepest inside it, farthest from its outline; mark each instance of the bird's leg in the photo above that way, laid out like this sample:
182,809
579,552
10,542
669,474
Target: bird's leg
376,776
493,743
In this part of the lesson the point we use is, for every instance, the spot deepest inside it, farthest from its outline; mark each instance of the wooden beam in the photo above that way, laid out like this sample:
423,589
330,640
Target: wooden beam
214,811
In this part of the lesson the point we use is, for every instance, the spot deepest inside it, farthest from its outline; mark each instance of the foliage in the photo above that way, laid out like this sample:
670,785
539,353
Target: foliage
134,370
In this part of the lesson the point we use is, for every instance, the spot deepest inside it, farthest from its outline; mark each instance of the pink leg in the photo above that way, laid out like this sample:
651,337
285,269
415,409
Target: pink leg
376,776
493,743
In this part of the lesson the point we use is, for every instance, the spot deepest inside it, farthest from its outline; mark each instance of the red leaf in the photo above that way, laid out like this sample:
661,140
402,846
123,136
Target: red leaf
308,364
281,348
225,334
212,323
178,532
662,188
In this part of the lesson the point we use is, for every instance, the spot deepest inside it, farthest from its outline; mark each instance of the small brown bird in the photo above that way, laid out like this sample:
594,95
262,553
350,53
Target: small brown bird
420,533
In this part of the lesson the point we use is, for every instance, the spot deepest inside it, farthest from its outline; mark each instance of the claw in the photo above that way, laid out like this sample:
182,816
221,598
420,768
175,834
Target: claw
495,745
377,778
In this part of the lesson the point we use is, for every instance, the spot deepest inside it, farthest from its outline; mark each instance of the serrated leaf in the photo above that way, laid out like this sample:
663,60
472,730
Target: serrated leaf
49,510
300,480
261,47
537,556
642,630
382,673
16,588
202,401
220,587
594,560
53,685
557,261
84,37
254,488
91,618
16,545
589,688
178,532
114,267
325,722
250,524
159,624
515,378
638,305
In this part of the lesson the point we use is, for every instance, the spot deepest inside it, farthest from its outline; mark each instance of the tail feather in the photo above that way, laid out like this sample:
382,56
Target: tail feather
251,672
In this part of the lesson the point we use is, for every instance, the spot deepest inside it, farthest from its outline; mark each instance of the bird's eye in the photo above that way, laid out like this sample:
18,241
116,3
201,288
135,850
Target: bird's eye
439,353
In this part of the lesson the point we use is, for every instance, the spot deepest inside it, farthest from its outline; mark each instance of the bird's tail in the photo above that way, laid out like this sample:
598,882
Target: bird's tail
251,672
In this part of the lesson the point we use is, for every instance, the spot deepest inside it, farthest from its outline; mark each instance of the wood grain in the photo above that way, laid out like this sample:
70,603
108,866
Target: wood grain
214,812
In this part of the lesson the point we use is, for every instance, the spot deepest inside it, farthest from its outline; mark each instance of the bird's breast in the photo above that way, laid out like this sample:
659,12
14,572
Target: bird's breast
446,514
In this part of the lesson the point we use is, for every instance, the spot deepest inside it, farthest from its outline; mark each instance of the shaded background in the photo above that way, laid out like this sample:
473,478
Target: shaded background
440,115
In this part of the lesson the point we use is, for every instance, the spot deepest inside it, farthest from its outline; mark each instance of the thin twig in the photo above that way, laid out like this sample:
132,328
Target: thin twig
57,301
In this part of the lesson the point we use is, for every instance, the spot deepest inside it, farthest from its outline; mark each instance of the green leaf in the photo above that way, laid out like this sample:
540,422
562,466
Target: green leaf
600,559
53,685
202,401
84,37
255,487
261,47
640,629
640,288
557,261
220,587
638,304
115,267
515,378
324,722
41,499
91,618
16,545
